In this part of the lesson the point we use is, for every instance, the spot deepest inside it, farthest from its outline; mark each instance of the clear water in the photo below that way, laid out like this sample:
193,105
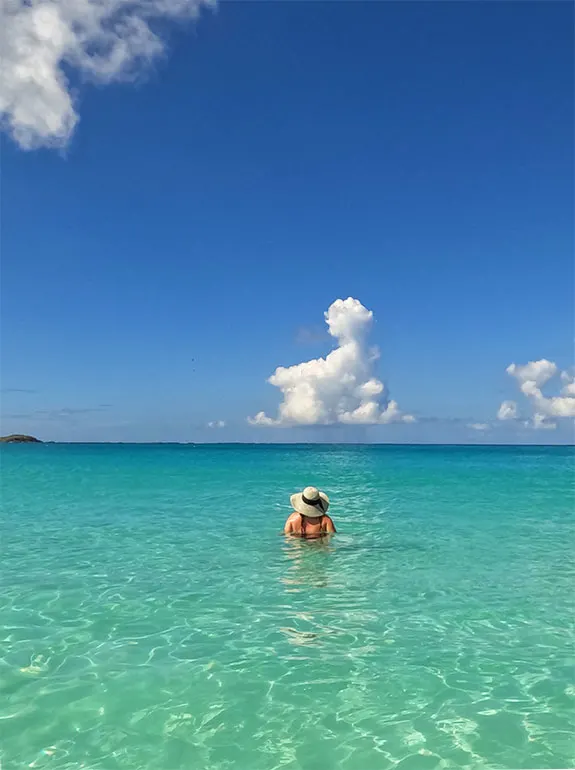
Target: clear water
152,617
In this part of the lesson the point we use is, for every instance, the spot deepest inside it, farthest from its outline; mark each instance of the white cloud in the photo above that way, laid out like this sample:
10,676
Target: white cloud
531,378
569,386
507,411
536,372
340,388
99,40
217,424
540,422
480,426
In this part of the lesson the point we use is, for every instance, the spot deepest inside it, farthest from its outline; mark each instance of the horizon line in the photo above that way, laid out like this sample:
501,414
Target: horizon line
283,444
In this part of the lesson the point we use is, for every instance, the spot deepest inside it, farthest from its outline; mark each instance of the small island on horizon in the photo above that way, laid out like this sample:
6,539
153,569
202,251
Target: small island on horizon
17,438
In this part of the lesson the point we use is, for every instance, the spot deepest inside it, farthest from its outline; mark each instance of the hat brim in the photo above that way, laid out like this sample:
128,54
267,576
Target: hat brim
311,511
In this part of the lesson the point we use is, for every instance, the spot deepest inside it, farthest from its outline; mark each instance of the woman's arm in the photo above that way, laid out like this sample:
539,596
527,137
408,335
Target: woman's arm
288,528
329,525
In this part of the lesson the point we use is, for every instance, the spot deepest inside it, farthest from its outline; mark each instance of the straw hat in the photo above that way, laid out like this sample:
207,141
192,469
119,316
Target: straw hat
311,502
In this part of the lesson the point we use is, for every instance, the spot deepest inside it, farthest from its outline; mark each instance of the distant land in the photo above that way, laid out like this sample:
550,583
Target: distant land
17,438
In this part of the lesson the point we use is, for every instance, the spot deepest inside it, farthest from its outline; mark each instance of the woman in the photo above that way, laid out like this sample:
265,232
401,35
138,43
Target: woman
309,518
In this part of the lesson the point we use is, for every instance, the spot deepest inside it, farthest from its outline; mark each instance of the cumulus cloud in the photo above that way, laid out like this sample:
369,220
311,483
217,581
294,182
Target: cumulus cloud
507,411
340,388
44,41
479,426
531,377
217,424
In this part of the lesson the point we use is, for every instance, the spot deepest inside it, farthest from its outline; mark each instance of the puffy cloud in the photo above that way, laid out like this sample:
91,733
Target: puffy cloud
531,378
262,420
340,388
101,40
558,406
217,424
507,411
536,373
479,426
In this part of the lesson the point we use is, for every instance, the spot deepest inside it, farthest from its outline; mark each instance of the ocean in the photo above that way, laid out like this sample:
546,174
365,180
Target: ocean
153,617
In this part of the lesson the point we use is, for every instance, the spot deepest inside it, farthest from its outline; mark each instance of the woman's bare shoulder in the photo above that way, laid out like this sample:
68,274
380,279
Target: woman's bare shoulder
331,525
291,523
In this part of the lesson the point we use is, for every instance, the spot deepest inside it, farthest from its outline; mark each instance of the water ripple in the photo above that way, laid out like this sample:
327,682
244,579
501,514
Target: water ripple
140,631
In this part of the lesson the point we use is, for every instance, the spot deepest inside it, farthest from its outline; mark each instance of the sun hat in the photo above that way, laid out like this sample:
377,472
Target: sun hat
311,502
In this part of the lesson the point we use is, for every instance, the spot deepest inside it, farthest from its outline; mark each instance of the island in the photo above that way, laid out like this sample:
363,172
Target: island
16,438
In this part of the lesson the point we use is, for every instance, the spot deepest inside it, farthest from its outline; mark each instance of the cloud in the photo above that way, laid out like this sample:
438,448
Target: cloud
18,390
533,375
45,41
217,424
540,422
340,388
443,420
68,412
569,385
480,426
64,413
507,411
531,378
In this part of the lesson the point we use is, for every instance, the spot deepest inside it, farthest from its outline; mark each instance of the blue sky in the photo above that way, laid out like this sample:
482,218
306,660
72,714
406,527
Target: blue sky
189,235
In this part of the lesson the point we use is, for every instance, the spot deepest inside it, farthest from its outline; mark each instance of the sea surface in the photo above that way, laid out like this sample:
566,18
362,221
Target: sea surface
152,616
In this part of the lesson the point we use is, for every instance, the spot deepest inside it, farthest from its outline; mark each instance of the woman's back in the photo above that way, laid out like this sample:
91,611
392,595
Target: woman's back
304,526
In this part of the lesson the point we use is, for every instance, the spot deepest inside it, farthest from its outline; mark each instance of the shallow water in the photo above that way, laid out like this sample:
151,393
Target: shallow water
154,619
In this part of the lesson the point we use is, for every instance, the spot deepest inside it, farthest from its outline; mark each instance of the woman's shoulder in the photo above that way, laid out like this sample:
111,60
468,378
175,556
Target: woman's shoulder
328,523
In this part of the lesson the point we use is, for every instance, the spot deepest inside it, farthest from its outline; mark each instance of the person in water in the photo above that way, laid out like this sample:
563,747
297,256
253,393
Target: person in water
309,518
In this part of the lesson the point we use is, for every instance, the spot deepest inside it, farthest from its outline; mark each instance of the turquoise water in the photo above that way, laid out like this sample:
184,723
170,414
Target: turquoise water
152,617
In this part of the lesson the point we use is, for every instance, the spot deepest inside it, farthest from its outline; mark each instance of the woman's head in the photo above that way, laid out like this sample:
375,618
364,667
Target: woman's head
310,503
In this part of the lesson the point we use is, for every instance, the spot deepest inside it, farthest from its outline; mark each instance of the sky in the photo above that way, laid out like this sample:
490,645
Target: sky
288,221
